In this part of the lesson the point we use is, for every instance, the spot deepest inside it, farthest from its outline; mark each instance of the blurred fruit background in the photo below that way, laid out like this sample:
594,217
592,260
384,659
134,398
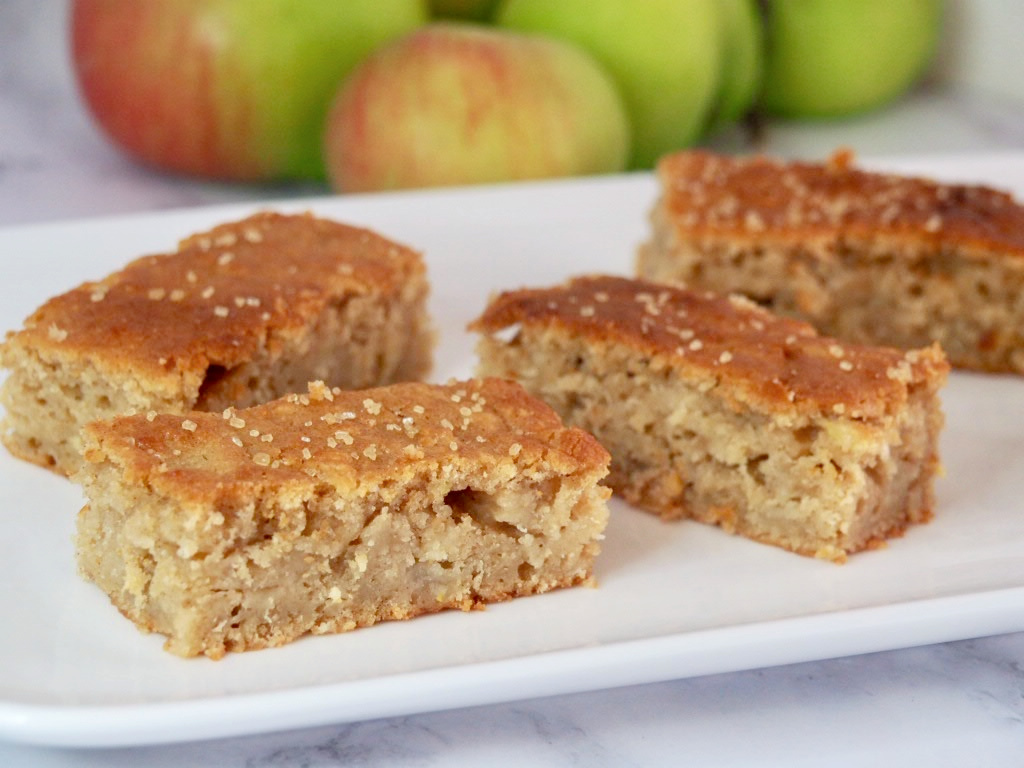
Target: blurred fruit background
234,89
230,99
388,94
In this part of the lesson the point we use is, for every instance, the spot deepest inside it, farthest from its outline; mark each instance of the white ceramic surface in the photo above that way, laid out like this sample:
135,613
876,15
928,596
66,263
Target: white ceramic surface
675,600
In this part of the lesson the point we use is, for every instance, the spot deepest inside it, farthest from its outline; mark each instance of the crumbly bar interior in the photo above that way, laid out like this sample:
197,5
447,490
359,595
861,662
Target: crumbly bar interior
242,558
818,484
869,257
870,291
317,562
356,342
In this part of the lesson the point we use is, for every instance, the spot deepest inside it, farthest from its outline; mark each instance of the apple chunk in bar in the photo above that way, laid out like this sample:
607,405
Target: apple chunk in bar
717,410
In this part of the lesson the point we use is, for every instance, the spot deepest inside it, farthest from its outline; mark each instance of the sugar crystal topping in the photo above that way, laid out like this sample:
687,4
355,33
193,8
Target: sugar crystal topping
709,339
409,423
755,195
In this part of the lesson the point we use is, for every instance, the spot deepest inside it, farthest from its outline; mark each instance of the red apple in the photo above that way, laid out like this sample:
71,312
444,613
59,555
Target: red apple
234,89
462,104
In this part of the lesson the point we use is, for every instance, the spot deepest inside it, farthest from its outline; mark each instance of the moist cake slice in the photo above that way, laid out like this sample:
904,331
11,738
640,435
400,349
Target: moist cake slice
715,409
325,512
869,257
241,314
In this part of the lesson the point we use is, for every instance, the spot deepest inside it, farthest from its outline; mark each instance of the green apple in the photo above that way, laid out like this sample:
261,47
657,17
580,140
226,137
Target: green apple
664,54
828,58
461,103
742,61
468,10
234,89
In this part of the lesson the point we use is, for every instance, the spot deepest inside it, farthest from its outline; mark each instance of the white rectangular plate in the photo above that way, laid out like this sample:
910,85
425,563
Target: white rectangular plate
673,600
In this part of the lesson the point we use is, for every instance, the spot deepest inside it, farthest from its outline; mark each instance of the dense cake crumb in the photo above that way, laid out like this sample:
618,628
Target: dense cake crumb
238,315
873,258
330,510
715,409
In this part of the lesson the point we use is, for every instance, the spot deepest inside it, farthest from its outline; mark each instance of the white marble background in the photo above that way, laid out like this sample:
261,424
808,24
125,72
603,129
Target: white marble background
954,704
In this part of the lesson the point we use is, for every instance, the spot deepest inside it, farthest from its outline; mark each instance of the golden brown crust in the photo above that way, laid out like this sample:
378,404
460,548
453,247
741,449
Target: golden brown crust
342,438
715,410
753,197
753,356
328,511
223,295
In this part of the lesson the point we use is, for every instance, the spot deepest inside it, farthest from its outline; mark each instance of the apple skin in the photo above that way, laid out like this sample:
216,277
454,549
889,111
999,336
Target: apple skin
664,54
829,58
465,10
742,62
229,89
455,103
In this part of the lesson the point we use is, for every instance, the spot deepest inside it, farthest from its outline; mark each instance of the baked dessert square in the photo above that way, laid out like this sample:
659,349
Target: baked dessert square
872,258
714,409
241,314
327,511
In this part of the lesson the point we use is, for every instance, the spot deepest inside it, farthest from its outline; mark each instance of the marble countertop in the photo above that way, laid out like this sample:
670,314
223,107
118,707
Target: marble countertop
952,704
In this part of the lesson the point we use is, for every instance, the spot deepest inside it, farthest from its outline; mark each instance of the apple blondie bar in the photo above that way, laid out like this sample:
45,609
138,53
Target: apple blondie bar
869,257
714,409
323,512
241,314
